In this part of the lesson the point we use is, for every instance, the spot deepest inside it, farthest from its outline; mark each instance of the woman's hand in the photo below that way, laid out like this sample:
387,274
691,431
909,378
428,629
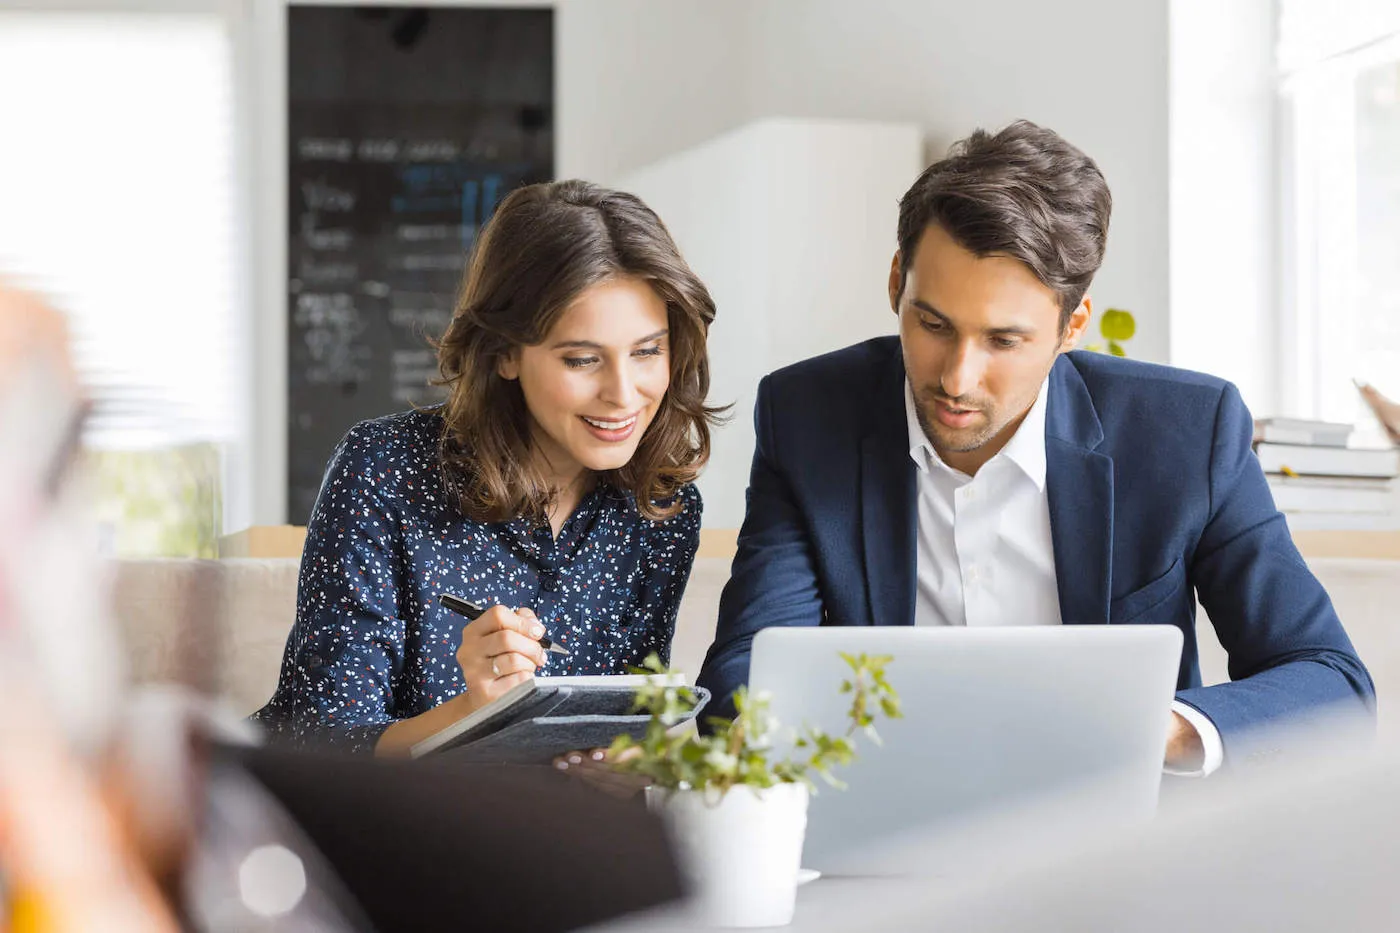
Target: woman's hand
595,768
500,649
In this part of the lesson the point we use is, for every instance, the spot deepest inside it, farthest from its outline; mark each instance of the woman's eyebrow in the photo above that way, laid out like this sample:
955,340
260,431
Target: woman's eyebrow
592,345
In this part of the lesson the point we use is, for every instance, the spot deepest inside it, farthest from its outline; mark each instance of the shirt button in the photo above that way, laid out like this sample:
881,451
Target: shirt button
549,583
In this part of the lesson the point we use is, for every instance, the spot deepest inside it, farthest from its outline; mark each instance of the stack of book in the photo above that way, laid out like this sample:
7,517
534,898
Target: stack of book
1320,482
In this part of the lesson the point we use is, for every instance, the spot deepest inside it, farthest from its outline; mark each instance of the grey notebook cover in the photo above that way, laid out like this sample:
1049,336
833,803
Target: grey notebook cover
554,719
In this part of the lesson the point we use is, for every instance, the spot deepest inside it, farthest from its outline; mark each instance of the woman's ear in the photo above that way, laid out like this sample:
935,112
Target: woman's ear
508,365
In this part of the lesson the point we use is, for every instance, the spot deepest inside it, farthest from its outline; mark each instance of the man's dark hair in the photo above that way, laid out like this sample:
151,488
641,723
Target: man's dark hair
1025,193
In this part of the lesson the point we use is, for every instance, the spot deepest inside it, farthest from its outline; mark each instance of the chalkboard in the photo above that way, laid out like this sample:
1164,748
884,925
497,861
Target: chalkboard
406,127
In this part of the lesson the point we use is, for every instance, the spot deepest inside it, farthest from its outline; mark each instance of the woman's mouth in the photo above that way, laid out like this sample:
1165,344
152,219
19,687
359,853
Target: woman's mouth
611,430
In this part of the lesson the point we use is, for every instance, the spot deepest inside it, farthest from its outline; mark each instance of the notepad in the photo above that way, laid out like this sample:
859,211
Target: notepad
541,718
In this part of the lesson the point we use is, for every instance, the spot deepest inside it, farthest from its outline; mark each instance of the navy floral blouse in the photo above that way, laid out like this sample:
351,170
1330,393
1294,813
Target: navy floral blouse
371,645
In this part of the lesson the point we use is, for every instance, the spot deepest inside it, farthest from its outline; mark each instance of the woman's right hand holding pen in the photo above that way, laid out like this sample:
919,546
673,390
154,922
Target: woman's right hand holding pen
499,650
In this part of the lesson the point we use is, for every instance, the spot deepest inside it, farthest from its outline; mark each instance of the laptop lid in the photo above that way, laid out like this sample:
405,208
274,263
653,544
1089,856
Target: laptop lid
992,718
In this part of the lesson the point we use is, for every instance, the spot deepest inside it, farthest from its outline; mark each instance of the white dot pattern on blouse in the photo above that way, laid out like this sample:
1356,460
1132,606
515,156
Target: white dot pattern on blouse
371,645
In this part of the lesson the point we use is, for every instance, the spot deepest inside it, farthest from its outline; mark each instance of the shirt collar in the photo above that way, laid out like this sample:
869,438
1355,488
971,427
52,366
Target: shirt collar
1026,448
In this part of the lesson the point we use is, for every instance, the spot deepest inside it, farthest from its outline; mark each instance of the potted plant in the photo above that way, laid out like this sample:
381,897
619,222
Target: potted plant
737,811
1117,327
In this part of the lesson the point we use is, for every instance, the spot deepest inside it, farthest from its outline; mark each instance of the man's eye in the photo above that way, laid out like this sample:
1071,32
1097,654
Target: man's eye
1005,343
931,325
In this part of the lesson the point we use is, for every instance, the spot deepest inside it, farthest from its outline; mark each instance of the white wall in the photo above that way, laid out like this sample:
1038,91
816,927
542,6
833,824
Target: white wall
637,80
791,224
1224,312
1093,70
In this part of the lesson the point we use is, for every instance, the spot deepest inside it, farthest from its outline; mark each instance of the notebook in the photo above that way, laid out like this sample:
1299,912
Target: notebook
539,719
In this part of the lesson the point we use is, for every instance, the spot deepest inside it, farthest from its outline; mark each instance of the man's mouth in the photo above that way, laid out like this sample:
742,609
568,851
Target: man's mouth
953,416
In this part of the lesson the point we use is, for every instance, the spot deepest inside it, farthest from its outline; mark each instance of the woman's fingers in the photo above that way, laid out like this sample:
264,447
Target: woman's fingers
497,649
504,619
597,770
506,642
503,665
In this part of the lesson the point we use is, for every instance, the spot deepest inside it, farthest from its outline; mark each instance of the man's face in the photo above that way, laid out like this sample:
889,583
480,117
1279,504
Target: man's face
979,337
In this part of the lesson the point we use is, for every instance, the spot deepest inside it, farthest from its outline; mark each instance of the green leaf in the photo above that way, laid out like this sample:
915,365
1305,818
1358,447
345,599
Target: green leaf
1117,324
1116,349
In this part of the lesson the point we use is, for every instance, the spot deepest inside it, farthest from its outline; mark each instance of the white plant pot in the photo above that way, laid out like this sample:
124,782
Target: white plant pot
740,852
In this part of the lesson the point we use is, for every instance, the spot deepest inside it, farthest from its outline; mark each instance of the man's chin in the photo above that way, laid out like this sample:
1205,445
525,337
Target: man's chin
957,442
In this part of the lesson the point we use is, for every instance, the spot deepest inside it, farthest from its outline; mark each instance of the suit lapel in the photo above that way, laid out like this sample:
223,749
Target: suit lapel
1079,486
888,507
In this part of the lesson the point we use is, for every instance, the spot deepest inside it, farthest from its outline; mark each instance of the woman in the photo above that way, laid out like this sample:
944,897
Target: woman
555,485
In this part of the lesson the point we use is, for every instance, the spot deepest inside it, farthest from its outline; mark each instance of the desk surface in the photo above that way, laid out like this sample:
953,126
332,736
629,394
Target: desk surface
825,904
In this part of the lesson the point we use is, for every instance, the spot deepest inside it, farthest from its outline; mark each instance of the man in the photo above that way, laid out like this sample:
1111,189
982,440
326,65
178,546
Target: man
973,471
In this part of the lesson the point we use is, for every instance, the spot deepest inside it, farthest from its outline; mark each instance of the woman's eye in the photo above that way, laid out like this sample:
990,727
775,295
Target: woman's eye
578,362
649,351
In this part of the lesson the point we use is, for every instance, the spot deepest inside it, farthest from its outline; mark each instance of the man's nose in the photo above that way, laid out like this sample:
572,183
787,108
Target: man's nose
962,372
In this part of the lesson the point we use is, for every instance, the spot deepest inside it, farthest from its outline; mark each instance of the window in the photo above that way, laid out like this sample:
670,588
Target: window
1340,90
116,180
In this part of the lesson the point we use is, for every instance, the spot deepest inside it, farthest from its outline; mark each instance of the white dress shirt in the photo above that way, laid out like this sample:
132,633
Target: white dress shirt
985,555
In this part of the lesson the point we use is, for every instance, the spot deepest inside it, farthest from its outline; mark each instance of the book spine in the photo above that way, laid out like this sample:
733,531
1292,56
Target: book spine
1378,501
1323,461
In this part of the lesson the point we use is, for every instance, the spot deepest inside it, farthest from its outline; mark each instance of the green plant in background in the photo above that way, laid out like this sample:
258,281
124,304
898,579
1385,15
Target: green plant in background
737,752
162,502
1117,327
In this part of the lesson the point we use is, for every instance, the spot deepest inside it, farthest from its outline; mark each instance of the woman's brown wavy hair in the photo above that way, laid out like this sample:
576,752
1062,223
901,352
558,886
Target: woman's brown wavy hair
545,246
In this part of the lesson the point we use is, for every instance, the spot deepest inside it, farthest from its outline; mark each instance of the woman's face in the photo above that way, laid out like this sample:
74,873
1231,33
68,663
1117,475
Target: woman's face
595,383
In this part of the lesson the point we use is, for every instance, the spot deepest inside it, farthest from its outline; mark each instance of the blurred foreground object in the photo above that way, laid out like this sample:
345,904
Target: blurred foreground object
1386,411
66,863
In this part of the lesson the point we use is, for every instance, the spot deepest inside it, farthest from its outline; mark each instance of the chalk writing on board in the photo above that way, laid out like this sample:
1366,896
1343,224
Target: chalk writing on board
321,196
397,157
318,237
330,150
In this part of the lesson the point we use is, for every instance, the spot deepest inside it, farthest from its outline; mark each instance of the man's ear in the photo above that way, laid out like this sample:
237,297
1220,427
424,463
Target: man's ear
896,282
1078,323
508,365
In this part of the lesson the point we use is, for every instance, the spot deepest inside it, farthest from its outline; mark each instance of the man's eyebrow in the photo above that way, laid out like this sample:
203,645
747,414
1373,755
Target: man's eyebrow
927,308
591,345
1013,330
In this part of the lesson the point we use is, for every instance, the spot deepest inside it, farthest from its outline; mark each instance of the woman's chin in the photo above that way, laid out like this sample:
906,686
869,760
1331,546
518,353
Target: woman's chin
604,461
600,457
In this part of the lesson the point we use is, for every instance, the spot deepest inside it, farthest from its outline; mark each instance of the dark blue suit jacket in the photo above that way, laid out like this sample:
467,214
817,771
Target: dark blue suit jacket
1155,498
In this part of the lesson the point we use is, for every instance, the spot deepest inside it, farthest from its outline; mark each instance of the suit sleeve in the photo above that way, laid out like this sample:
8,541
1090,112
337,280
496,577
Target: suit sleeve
774,579
1288,653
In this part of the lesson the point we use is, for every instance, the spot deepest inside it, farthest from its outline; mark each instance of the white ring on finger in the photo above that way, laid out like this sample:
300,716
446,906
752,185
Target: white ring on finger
495,671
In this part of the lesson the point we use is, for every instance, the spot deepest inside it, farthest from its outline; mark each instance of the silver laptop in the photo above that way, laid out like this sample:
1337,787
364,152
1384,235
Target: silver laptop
992,718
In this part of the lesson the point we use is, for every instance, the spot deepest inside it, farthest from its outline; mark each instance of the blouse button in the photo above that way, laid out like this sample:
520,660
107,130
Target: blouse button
549,583
314,661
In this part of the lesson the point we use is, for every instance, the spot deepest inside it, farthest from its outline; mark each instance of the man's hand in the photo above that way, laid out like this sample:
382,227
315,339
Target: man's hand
1184,749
